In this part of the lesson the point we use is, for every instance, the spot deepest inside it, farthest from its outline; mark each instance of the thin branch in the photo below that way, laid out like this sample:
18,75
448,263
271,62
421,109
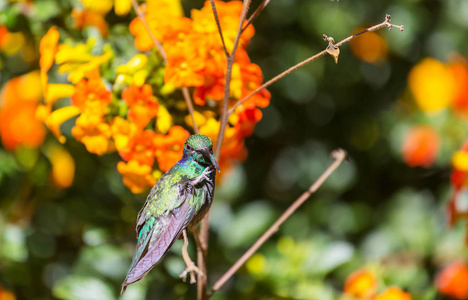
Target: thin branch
385,23
215,14
142,18
256,13
227,86
202,249
188,100
339,155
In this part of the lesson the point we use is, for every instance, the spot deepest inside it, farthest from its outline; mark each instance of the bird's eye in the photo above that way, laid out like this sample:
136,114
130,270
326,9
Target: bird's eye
189,148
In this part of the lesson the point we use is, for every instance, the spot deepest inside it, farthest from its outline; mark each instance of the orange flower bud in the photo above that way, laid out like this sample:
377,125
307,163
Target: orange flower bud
361,284
420,146
393,293
453,280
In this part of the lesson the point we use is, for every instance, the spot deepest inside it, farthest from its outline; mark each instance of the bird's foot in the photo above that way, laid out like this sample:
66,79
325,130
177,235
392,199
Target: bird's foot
203,175
191,269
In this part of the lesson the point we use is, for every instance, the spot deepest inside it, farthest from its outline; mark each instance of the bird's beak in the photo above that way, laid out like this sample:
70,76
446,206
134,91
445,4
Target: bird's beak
211,156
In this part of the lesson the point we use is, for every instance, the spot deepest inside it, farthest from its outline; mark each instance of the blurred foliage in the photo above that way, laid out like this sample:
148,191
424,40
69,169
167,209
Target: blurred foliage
375,213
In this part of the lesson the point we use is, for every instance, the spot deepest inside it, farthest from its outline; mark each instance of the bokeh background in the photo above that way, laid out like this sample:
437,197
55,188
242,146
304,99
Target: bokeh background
394,101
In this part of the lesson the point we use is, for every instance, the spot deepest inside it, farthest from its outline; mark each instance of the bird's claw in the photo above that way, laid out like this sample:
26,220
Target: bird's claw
206,172
191,269
203,175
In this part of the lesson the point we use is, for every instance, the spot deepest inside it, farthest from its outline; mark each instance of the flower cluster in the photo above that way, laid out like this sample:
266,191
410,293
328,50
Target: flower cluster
437,88
137,108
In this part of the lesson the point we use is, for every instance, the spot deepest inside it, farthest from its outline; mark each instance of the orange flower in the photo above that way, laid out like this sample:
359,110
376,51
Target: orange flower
135,176
229,15
452,281
83,18
91,96
213,89
169,147
164,18
143,106
244,120
140,148
420,146
184,66
361,284
393,293
252,78
18,124
6,295
371,47
92,132
122,131
460,73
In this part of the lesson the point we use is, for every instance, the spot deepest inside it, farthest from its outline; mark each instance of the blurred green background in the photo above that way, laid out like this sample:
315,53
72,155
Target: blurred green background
374,211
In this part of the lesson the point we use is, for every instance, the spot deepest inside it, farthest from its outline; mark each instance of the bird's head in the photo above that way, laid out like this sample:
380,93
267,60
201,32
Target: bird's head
200,148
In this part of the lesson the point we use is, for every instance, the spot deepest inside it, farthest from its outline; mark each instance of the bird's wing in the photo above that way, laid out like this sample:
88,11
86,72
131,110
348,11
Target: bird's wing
156,238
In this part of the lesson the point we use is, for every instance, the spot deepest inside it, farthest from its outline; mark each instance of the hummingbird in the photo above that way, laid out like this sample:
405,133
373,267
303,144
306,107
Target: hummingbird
179,199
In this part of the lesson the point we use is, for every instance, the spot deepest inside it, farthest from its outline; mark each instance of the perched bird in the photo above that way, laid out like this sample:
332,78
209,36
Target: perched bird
179,199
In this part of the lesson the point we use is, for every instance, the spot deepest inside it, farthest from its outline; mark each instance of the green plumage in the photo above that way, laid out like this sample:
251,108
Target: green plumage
180,198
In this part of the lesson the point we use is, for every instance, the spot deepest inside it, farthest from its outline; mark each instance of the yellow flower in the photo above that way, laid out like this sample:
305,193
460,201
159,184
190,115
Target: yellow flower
122,7
163,120
58,91
135,176
164,8
90,69
460,161
133,71
122,131
68,57
57,118
63,166
200,119
432,84
102,6
93,133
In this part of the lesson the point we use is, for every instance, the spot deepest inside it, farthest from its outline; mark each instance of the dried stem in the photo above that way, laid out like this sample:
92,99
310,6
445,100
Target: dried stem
142,18
385,23
158,45
256,13
339,155
188,100
227,86
215,14
202,248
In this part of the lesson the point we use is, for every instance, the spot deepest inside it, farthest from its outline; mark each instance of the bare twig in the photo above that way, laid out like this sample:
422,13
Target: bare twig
339,155
385,23
215,14
188,100
202,248
255,14
227,86
155,41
